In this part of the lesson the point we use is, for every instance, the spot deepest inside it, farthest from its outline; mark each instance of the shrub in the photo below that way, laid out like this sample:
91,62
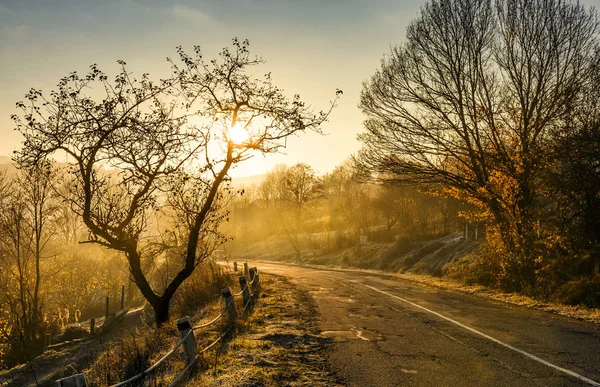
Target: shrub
138,348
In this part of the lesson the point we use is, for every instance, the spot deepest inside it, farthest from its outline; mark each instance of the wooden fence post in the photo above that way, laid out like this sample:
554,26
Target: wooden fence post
253,280
122,296
77,380
256,281
246,270
107,301
235,267
184,325
47,340
245,290
230,305
92,326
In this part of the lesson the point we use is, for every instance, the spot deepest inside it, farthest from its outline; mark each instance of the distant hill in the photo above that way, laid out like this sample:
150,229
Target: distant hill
246,181
6,165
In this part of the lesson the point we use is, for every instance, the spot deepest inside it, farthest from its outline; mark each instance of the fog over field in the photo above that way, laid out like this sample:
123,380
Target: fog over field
311,185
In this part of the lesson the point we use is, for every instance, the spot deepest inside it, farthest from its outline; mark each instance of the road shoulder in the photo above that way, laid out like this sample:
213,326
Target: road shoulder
578,313
279,344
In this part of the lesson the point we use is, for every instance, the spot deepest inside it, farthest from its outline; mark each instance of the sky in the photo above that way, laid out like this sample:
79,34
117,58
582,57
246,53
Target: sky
311,48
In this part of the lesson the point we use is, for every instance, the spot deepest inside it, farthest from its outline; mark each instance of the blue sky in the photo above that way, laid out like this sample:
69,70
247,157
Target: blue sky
311,47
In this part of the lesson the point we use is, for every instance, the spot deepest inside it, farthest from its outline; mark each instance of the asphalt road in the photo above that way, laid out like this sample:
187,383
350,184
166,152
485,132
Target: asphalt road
388,331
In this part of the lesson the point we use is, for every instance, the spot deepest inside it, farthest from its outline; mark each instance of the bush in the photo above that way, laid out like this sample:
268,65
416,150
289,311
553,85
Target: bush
479,267
139,348
201,288
133,352
583,291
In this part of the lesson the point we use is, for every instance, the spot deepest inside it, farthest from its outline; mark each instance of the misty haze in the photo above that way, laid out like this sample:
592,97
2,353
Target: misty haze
316,193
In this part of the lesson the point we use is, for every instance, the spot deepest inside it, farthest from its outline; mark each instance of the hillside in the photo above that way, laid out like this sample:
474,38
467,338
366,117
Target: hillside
432,256
6,165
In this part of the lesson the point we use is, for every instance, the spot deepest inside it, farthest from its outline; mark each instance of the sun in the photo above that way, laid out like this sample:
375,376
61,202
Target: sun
237,134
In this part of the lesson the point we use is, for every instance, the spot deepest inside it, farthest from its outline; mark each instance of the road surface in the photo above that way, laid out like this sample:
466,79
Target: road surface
388,331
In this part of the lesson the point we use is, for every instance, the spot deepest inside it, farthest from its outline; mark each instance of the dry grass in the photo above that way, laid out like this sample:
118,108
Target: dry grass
419,271
577,312
138,347
277,345
133,352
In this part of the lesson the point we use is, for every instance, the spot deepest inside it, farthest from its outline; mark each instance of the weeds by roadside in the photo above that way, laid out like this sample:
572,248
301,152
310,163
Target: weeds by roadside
277,345
139,347
577,312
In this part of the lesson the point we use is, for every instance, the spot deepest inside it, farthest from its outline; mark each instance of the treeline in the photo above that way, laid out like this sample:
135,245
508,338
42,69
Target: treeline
48,280
499,103
146,174
495,104
53,274
326,213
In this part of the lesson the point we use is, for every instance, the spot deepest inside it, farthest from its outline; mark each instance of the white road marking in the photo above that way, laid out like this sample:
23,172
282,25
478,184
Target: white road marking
533,357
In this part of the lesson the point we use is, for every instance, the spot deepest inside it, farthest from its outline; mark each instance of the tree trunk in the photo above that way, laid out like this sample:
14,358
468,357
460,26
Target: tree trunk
142,283
161,310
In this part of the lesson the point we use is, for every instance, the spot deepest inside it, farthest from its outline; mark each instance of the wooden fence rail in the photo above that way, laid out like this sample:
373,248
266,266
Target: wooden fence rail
250,290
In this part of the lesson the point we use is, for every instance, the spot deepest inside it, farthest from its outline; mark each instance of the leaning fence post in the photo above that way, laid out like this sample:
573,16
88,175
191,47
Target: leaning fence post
245,291
184,326
77,380
92,326
256,281
229,305
253,279
235,267
246,269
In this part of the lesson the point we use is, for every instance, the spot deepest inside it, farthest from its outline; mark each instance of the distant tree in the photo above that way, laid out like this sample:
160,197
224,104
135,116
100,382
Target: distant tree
301,185
573,180
272,190
351,204
284,195
395,204
473,98
26,226
448,207
134,139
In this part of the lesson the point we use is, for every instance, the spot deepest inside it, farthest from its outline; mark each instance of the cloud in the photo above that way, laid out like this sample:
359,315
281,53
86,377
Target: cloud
191,15
14,33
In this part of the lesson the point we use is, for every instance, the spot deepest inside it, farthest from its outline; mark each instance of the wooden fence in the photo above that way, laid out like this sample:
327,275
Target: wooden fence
249,292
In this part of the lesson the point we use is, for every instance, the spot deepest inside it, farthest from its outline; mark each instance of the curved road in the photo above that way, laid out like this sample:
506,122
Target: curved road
387,331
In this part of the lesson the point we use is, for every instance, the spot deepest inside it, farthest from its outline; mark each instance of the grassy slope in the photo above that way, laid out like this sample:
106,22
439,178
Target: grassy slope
424,256
278,344
437,264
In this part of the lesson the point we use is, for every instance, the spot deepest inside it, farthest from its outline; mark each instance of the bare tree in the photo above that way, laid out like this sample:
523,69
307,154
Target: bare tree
573,181
301,185
141,138
472,97
349,199
394,203
26,209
